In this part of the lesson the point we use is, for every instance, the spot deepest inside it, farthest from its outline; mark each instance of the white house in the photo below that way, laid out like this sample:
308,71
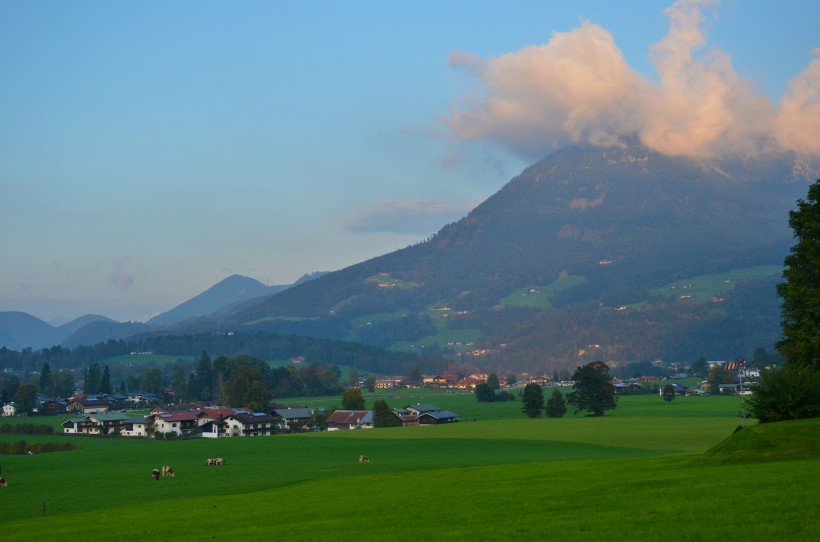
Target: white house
9,409
135,427
179,422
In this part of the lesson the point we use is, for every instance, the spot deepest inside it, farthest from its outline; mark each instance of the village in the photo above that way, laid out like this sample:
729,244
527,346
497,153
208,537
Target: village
108,414
96,415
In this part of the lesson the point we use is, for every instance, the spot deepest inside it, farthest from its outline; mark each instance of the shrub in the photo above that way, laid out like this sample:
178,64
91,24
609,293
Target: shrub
788,393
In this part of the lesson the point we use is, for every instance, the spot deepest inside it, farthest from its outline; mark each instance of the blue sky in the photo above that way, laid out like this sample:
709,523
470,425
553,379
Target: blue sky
150,149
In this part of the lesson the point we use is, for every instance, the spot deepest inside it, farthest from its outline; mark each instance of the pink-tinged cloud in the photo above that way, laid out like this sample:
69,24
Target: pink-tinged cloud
404,216
798,119
578,88
120,279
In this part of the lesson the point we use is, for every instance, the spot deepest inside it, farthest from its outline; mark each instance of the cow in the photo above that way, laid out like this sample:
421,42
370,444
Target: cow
3,482
364,459
168,471
155,474
215,462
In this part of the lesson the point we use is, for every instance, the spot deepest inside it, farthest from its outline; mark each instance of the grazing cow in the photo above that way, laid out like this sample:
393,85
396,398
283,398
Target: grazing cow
168,471
216,462
3,482
364,459
155,474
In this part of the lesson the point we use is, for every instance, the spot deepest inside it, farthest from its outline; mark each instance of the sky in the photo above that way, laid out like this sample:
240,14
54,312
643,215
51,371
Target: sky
150,149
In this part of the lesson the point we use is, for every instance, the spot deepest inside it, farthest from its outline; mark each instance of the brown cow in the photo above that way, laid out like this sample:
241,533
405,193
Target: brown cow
364,459
168,471
3,482
155,474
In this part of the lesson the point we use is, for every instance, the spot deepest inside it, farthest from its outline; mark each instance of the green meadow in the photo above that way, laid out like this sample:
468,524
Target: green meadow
649,470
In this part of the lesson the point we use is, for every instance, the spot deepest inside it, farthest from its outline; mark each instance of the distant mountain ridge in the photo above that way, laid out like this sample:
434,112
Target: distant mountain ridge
20,330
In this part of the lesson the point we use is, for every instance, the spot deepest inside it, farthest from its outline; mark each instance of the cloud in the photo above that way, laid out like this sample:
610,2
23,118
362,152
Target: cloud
419,216
578,88
798,118
119,279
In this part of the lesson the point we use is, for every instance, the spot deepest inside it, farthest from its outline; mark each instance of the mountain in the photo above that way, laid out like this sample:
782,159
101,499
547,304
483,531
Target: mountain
570,256
229,291
20,330
216,299
233,289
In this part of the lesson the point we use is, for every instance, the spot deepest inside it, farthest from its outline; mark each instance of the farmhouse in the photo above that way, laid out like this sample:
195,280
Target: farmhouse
438,417
135,427
89,404
9,409
425,414
418,409
179,422
95,424
292,418
251,424
350,419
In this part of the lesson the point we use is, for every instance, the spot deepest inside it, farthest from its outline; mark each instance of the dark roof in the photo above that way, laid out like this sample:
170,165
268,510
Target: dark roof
257,417
441,414
348,417
295,413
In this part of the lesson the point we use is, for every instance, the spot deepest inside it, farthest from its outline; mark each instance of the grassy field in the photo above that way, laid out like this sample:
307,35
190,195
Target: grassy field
704,287
649,470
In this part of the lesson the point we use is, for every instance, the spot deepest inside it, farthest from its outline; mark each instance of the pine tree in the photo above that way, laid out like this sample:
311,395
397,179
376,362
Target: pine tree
800,291
533,400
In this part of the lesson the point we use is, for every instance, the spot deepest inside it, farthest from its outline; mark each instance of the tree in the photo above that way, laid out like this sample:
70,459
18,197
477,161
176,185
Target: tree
668,393
246,388
370,383
105,382
93,379
493,383
533,400
25,399
45,378
699,367
484,393
63,383
151,381
718,375
593,389
383,416
556,405
785,393
800,292
352,399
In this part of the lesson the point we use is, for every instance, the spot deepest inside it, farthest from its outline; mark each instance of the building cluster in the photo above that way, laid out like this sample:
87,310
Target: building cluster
103,415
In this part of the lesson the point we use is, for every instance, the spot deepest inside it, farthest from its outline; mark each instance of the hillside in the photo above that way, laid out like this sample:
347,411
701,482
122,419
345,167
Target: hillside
591,230
20,330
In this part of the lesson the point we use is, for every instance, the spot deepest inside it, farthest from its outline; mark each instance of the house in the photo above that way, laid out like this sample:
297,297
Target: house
438,417
135,427
249,424
418,409
54,406
350,419
95,424
179,422
405,417
138,398
89,404
215,428
9,409
292,418
75,426
106,423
